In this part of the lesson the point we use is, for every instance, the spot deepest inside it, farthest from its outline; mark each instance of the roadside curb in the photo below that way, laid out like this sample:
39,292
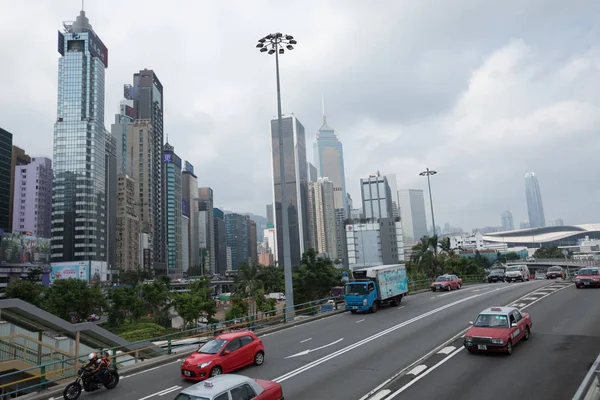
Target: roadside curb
55,393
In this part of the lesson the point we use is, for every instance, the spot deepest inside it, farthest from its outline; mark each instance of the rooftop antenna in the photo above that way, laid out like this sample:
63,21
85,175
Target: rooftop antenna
323,107
82,5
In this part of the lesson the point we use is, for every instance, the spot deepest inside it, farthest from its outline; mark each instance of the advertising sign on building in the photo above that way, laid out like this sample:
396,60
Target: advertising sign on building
147,259
69,270
189,167
98,272
97,48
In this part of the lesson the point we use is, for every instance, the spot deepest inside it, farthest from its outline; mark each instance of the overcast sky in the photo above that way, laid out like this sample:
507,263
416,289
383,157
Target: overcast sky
480,91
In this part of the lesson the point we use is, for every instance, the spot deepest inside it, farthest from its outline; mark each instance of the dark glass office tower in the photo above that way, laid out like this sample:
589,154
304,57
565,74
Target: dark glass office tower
296,169
5,169
79,216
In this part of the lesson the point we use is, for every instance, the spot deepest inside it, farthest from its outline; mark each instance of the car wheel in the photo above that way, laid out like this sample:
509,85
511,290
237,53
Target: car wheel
578,287
449,288
509,348
527,333
433,289
259,358
216,371
458,287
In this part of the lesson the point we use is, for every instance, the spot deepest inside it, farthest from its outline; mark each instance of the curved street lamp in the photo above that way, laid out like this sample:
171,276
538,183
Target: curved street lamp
429,173
276,43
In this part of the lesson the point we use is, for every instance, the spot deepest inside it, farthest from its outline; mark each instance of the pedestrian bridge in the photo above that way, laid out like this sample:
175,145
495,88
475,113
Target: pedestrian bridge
561,262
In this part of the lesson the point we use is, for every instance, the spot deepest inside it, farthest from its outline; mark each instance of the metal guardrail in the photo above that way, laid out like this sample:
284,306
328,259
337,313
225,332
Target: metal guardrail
590,383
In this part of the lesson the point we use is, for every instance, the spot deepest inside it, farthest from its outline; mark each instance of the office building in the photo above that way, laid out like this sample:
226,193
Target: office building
376,197
322,224
412,215
556,222
19,158
391,179
220,242
32,205
374,243
189,187
535,207
110,175
296,169
265,257
270,214
507,221
185,238
173,205
237,239
6,151
252,241
313,174
147,95
79,209
127,225
206,228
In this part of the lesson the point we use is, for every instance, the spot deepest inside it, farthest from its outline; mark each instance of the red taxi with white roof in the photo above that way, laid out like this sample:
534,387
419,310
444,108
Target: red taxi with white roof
587,277
231,386
225,353
498,329
446,282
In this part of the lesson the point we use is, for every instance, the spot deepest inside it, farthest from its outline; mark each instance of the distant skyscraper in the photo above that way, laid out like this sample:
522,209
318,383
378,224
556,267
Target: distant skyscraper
556,222
524,225
270,213
507,221
220,242
189,186
79,209
206,228
33,185
322,214
391,178
412,214
19,158
147,96
172,190
313,174
237,239
128,225
294,144
535,208
376,197
110,174
252,241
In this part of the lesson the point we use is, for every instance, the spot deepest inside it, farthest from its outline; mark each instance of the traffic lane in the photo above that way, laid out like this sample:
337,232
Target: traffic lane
276,364
356,372
565,341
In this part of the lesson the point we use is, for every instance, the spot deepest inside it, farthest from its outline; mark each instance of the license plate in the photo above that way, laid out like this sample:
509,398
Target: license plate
354,307
481,347
586,283
187,373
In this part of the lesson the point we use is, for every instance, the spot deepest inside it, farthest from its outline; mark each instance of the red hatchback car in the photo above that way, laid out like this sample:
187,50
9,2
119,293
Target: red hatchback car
498,329
446,282
225,353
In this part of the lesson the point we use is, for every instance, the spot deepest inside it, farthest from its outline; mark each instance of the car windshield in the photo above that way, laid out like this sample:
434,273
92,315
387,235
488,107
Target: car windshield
356,289
491,321
514,268
183,396
212,346
555,269
442,279
588,271
497,271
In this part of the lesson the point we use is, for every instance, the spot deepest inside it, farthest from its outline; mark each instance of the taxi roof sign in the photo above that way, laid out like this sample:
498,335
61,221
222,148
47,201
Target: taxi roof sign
208,384
496,309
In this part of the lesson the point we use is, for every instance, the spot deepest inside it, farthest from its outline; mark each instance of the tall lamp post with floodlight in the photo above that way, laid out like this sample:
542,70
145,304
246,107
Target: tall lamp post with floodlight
274,43
428,173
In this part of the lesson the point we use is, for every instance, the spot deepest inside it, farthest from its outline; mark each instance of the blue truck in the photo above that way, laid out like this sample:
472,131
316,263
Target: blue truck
373,287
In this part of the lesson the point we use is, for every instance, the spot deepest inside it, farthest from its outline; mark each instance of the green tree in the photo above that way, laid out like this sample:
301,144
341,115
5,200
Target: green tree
272,278
157,297
124,303
481,261
239,309
189,308
423,256
73,295
26,290
446,247
134,277
34,274
314,278
550,252
247,281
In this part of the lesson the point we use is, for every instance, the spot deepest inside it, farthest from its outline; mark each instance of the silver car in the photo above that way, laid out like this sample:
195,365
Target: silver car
231,386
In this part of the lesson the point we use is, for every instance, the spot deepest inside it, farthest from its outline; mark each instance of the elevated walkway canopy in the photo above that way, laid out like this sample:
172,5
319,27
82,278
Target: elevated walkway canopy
34,319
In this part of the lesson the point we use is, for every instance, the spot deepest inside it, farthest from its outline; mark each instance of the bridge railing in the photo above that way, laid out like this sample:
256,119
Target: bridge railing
590,386
558,261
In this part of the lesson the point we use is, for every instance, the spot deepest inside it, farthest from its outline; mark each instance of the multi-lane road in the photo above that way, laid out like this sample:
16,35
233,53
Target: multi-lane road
356,356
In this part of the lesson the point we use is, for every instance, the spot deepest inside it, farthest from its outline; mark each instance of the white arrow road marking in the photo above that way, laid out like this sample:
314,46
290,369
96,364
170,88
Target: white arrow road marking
447,350
305,352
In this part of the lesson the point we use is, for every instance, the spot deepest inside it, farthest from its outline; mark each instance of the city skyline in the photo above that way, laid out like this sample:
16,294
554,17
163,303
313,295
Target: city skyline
205,130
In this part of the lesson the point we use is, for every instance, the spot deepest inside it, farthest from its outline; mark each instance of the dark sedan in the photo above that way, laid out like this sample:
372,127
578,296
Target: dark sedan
496,275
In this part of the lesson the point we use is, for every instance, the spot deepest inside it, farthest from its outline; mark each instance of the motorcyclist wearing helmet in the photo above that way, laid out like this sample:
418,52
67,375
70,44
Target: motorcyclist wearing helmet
98,367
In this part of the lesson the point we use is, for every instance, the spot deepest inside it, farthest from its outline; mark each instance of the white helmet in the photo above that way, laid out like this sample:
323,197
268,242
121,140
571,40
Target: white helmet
92,356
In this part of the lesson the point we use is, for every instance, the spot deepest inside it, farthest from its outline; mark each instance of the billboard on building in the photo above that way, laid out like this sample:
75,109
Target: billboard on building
147,259
61,43
23,248
189,167
98,272
70,270
97,48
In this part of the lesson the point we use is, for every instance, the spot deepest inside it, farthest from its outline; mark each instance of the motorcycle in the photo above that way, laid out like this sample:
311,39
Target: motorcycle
84,381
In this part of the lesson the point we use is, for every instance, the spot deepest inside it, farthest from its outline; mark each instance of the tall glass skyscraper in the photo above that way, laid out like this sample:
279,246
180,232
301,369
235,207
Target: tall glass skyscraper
173,212
296,183
79,217
535,208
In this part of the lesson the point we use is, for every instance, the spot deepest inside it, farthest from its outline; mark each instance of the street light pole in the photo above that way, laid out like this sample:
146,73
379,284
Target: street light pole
273,43
428,173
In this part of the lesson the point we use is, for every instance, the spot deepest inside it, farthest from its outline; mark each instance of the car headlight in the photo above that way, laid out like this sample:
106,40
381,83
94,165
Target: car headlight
364,302
497,341
204,364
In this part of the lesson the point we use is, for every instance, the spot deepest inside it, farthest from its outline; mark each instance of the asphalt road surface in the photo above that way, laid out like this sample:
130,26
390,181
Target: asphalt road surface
565,341
347,355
